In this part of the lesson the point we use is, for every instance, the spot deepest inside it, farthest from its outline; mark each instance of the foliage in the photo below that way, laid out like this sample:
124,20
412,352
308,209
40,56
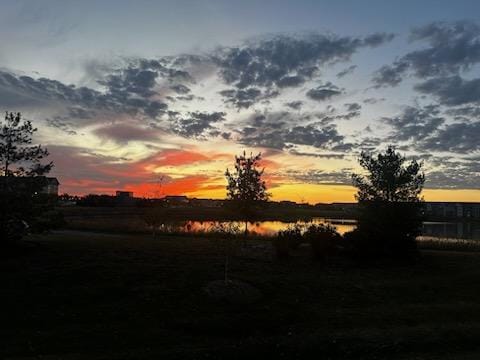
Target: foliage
388,178
245,189
323,239
288,239
17,151
390,207
22,206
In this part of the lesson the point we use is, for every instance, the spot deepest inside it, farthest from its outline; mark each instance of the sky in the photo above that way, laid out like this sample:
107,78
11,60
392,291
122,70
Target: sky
157,97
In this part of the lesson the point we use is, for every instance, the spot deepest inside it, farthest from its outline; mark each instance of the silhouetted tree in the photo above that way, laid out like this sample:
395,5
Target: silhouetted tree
21,167
17,151
388,179
245,189
390,205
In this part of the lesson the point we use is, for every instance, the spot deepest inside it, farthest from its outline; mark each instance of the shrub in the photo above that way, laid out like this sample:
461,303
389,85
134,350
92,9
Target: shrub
281,245
323,239
289,239
388,230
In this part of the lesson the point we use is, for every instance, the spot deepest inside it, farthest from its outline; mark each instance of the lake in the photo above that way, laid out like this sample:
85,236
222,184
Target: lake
444,230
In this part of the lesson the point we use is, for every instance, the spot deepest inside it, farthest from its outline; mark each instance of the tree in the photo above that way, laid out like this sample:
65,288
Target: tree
20,165
17,151
389,203
388,179
245,189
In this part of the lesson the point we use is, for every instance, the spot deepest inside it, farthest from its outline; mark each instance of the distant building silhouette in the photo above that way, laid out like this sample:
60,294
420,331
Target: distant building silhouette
176,200
124,194
47,185
452,210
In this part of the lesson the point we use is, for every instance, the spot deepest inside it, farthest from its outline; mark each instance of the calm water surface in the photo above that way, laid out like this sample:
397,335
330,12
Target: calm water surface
445,230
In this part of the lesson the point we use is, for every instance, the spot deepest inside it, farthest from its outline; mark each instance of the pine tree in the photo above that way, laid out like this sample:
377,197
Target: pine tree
22,205
390,206
17,151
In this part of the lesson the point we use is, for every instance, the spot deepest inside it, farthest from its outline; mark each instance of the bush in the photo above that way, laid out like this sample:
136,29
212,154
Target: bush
23,211
281,245
387,230
289,239
323,240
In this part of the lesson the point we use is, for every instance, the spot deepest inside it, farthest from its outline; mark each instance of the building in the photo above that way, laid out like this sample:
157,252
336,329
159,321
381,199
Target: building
207,203
452,210
37,184
51,186
123,194
176,200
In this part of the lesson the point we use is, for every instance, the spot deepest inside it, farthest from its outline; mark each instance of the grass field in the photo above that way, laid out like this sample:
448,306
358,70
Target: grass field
75,295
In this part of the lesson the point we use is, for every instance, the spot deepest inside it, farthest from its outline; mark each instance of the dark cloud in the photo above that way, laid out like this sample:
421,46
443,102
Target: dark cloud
123,133
415,123
180,89
324,92
390,75
290,81
317,155
451,173
117,100
452,90
450,48
347,71
132,81
295,105
278,131
457,137
267,61
62,123
372,100
353,107
245,98
342,176
465,112
196,124
285,61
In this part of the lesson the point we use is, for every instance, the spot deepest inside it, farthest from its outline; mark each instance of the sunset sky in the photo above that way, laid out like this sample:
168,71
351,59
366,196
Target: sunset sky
128,95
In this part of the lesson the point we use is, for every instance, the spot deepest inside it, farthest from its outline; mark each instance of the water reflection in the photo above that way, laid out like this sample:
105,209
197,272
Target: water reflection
450,230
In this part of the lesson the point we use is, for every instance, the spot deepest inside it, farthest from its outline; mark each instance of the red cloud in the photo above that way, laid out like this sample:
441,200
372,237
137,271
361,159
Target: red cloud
181,186
83,172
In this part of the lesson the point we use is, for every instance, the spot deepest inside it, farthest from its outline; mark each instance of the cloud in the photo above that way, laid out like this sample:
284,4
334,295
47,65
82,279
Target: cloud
452,173
295,105
457,137
245,98
347,71
266,61
83,171
324,92
353,106
123,133
342,176
195,124
180,89
282,61
27,91
278,131
451,47
452,90
415,123
372,100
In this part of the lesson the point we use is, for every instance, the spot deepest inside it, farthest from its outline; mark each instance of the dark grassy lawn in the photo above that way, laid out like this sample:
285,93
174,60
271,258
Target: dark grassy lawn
76,296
